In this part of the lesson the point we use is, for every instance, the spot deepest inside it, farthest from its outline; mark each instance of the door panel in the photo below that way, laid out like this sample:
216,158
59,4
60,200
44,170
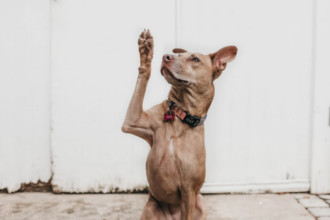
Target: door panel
24,93
95,63
258,127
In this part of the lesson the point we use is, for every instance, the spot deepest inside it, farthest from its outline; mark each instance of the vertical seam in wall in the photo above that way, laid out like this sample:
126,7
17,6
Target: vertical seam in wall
50,86
176,22
312,88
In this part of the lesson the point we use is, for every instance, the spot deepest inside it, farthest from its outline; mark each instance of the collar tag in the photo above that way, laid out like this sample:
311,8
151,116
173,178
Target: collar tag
169,116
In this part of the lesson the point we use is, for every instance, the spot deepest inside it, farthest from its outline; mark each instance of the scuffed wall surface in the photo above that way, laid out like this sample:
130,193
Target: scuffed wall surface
24,93
95,67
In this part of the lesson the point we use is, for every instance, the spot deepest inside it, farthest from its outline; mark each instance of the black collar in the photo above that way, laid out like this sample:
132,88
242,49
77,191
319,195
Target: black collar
184,116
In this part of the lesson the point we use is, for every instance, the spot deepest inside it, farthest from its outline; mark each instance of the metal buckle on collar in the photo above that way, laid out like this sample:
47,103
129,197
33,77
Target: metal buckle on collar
191,120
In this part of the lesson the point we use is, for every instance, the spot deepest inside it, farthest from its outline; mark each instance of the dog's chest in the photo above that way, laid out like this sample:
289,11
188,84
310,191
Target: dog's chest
176,149
173,159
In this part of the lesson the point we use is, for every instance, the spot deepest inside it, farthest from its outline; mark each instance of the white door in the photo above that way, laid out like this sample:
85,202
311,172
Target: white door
258,127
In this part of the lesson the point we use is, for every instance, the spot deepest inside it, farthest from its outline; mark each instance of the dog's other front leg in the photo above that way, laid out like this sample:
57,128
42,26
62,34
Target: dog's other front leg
137,121
188,198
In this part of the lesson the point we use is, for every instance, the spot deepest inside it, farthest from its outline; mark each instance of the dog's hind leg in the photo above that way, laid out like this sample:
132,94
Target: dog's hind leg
152,210
200,209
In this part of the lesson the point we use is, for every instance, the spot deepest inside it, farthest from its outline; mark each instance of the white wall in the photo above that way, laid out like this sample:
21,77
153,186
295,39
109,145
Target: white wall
24,93
267,129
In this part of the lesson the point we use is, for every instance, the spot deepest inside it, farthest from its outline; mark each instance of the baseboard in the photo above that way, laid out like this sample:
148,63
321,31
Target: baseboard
257,187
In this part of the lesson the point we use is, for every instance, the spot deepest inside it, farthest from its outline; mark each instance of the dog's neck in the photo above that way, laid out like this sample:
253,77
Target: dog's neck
195,103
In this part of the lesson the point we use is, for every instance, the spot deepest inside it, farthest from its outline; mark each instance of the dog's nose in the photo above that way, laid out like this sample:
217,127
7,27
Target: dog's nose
167,58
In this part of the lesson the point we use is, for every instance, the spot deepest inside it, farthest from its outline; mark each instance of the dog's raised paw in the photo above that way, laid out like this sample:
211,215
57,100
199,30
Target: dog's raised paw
146,46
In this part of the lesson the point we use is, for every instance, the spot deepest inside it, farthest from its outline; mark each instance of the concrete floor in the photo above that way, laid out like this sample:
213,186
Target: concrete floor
129,206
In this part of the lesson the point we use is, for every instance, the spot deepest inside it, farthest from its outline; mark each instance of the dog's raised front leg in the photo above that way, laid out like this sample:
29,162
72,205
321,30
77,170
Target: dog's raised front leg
137,121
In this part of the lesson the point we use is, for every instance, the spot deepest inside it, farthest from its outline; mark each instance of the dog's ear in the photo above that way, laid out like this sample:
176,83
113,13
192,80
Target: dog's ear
221,58
179,50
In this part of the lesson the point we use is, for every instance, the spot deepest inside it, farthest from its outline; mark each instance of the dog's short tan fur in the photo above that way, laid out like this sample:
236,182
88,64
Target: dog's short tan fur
176,161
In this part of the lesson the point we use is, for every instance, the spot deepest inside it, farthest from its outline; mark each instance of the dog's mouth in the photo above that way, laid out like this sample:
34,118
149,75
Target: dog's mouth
166,72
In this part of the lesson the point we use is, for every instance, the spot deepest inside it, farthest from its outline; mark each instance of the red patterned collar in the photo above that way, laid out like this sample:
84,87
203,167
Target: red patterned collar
184,116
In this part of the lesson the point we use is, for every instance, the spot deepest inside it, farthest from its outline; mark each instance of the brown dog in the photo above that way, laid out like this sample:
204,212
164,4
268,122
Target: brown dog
176,161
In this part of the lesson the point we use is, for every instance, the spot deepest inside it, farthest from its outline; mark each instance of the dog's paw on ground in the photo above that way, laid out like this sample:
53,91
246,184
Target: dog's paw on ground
146,46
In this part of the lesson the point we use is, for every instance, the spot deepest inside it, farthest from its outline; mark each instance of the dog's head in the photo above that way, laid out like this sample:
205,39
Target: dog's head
185,69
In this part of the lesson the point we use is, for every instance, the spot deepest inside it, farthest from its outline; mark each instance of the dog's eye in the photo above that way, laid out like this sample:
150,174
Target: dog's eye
195,59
